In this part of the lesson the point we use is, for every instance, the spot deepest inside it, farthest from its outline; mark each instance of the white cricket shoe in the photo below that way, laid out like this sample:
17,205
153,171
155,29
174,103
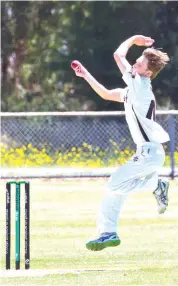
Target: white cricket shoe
161,195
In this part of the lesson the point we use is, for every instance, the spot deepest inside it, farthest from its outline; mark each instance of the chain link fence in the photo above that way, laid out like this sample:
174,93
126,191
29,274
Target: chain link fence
75,139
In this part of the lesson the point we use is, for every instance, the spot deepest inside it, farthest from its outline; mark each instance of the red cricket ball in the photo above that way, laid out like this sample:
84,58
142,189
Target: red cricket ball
75,64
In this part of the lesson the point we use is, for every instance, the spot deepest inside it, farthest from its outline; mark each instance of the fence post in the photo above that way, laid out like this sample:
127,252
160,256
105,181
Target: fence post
172,143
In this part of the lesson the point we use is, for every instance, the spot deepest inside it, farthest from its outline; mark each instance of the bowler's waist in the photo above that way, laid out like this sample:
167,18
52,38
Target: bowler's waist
149,144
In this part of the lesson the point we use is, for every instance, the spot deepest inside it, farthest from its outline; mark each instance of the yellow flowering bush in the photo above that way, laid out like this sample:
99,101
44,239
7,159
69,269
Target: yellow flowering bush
84,156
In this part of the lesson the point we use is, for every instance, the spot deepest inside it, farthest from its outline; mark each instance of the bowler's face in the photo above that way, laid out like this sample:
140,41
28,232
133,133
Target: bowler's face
141,65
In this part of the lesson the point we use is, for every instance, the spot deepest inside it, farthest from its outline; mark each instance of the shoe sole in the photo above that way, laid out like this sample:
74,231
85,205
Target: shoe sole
95,246
162,210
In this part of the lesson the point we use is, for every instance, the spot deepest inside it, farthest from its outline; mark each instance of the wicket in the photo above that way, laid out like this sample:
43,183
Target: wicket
17,224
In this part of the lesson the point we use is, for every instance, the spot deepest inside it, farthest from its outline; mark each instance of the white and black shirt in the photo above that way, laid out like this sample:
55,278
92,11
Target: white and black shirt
140,106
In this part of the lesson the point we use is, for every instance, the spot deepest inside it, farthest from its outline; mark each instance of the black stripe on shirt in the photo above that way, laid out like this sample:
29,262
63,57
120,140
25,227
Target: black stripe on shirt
141,128
151,110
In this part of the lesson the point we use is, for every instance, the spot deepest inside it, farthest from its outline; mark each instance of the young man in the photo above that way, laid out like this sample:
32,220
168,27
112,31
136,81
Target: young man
141,171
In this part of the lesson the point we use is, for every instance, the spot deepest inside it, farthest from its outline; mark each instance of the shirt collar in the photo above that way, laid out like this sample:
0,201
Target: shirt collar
146,79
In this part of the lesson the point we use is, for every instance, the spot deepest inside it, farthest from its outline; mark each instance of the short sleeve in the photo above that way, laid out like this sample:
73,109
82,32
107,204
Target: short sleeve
123,93
133,81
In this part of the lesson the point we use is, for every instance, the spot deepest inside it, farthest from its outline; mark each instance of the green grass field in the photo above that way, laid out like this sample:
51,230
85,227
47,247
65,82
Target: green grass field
63,215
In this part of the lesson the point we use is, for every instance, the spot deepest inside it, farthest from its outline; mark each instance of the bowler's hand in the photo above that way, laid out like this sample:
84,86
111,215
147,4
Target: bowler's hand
79,69
140,40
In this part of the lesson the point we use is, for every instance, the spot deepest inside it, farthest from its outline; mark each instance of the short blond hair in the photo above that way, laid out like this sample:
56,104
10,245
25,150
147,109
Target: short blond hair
157,60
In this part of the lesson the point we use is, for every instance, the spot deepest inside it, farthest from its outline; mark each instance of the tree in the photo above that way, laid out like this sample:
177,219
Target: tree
41,38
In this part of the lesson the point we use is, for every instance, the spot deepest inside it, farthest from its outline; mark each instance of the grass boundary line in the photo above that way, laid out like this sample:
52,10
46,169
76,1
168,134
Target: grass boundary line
76,271
44,272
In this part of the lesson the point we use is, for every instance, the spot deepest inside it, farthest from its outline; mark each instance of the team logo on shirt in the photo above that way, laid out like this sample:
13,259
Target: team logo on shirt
135,159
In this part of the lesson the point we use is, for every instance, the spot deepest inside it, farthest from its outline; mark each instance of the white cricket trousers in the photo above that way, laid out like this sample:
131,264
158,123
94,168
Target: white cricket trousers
139,173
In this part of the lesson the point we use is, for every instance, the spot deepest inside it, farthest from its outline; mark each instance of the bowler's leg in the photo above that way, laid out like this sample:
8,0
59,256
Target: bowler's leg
127,179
